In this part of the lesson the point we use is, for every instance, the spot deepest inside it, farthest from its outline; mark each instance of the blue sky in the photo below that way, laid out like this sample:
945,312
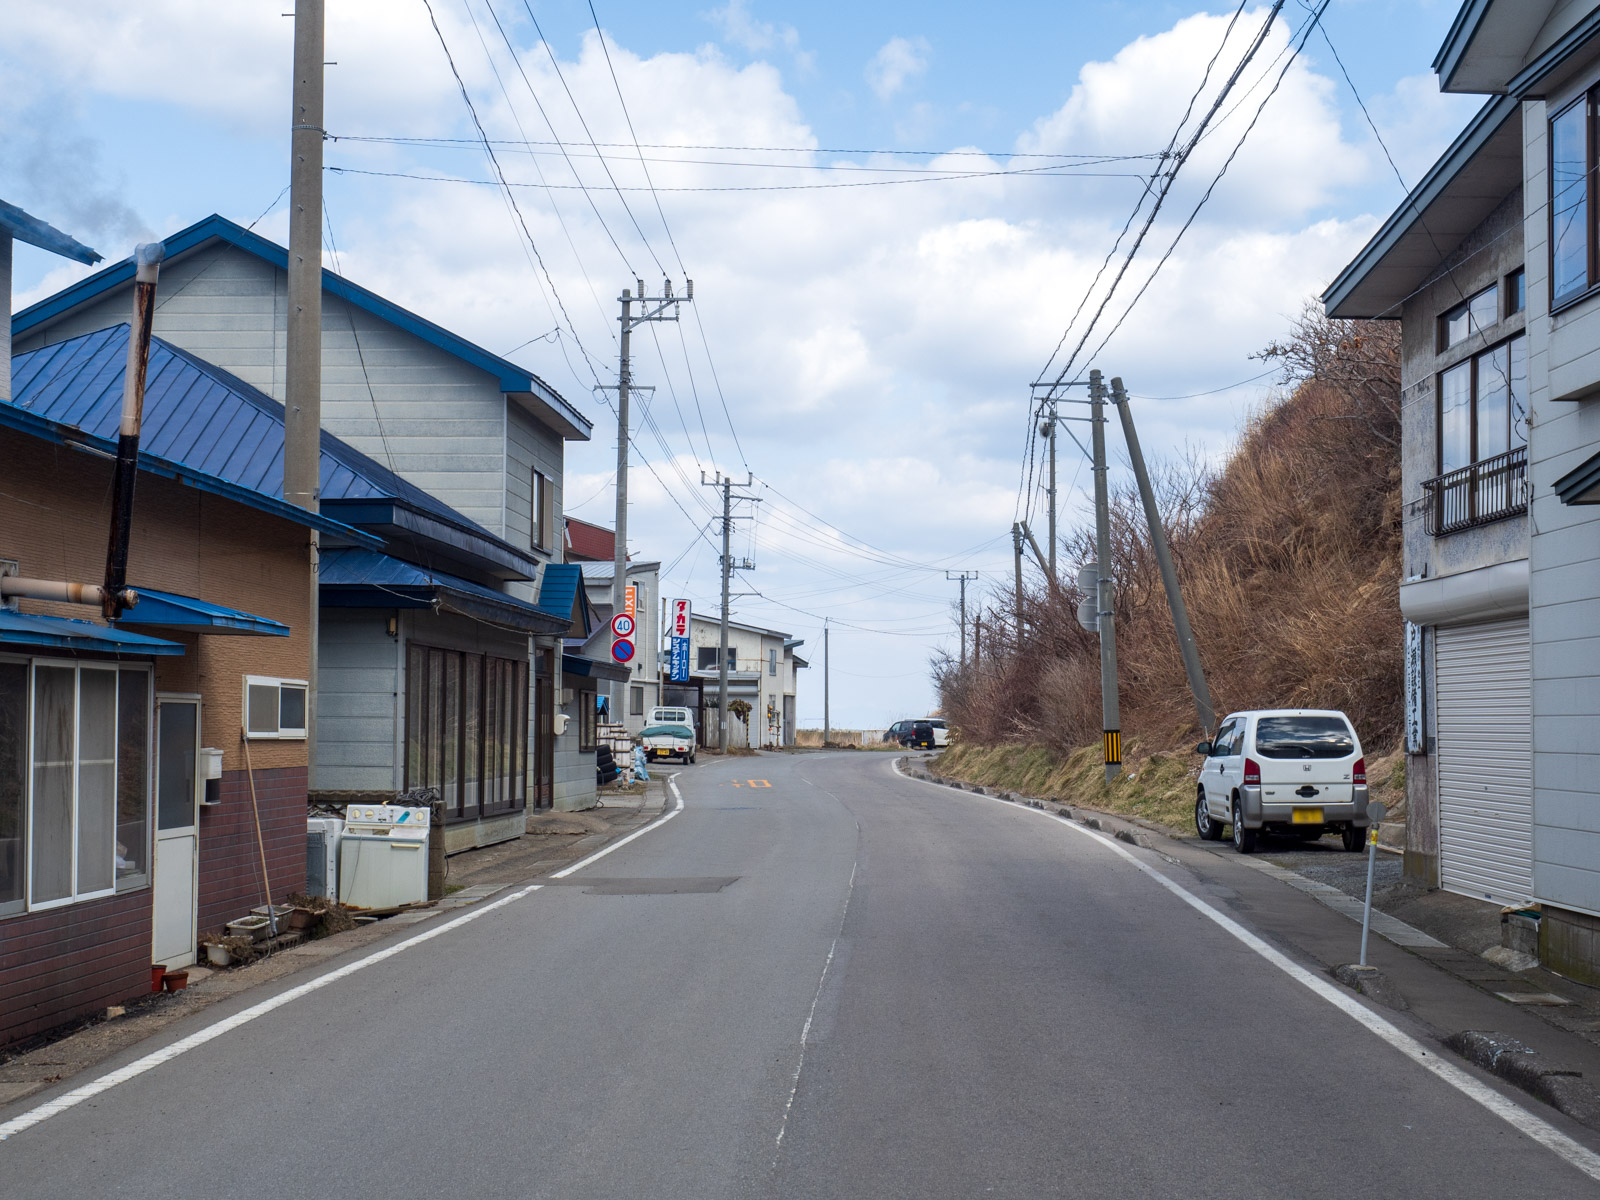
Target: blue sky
873,344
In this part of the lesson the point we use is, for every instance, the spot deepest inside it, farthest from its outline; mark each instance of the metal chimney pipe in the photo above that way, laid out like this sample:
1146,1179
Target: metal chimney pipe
147,265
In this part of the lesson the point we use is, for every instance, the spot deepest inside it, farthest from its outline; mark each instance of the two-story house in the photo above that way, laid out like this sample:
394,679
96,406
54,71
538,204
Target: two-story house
1492,266
478,443
763,671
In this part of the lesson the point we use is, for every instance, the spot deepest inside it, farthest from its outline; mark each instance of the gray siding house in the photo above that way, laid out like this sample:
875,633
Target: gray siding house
433,646
1492,266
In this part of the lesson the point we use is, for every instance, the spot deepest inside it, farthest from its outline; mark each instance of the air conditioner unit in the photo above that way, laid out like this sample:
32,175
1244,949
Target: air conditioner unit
322,856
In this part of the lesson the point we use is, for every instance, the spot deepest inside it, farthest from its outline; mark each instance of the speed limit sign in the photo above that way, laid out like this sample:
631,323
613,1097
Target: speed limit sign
622,625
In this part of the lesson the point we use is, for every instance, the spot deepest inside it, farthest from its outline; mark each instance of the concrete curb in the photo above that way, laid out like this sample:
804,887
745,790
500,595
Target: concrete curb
1518,1064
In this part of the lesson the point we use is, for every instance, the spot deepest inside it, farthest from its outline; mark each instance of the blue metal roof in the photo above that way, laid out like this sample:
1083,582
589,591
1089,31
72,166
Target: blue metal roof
65,633
210,421
351,578
511,377
561,593
165,610
26,227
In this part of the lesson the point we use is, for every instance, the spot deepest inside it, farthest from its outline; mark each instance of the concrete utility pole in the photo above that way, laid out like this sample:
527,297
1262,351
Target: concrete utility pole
666,309
727,485
1169,575
827,729
302,420
962,577
1111,719
1047,428
1016,546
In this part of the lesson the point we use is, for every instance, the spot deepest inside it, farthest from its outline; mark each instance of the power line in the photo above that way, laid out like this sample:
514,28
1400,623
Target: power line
446,142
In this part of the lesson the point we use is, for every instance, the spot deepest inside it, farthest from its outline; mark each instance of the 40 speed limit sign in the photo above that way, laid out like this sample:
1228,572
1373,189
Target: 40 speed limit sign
622,626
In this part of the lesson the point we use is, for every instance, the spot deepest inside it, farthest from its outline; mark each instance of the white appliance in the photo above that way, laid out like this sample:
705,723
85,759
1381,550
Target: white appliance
322,856
383,856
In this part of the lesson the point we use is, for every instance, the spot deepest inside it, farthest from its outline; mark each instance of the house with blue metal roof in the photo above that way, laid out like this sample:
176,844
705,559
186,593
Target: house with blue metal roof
469,448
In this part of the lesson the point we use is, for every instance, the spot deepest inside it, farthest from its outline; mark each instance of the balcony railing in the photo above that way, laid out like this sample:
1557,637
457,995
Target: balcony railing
1488,490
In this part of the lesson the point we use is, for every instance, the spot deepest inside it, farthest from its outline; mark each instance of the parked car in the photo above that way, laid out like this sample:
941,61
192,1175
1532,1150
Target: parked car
894,732
918,735
671,716
1294,771
941,732
668,741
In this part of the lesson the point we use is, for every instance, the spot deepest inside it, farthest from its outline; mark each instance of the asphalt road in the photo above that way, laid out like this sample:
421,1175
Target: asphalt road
818,980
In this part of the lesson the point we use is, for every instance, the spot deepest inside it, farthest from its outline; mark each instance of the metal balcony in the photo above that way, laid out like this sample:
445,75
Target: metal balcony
1491,489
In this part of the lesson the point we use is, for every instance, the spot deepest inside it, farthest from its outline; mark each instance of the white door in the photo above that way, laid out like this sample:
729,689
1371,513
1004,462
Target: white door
1484,730
1214,773
177,829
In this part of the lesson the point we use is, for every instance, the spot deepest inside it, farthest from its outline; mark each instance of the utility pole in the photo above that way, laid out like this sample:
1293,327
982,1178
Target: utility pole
1169,575
1111,720
302,419
962,577
727,485
1047,428
666,309
1016,546
827,729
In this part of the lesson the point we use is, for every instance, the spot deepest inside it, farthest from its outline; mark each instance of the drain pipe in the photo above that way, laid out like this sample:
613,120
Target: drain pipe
115,596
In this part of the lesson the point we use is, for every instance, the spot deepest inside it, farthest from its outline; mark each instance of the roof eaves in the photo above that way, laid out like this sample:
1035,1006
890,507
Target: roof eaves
1479,130
1582,485
1524,83
28,228
1462,30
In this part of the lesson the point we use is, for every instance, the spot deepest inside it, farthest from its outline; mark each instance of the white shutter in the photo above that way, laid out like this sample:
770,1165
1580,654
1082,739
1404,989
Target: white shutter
1484,760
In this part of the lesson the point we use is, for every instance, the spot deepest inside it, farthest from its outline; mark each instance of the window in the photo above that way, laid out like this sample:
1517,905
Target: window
1516,292
74,781
1473,315
1483,406
1571,204
1304,737
274,708
588,721
543,512
706,658
772,661
1219,744
636,701
467,729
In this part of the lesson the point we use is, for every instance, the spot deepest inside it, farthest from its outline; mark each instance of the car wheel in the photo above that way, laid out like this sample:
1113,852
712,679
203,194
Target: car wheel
1207,826
1244,840
1353,837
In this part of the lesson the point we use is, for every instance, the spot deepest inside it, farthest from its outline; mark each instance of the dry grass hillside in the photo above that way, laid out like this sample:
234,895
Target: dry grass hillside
1289,560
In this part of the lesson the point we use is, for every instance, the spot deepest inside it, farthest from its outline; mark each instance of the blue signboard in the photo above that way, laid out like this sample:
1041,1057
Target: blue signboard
680,660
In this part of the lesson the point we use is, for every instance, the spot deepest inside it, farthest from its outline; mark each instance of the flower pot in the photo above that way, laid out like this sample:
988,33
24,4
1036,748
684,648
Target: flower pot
301,918
283,912
175,981
217,954
157,972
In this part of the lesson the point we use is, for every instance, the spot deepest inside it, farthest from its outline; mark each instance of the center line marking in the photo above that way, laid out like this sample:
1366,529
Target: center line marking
1519,1118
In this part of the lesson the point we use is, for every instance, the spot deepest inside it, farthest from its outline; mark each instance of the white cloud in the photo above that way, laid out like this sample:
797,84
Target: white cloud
897,62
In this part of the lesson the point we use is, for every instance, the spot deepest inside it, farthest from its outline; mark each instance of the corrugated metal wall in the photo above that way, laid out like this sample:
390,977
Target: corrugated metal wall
1485,760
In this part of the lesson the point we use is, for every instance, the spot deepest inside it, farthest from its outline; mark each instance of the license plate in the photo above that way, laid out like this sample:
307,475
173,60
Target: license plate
1308,816
667,753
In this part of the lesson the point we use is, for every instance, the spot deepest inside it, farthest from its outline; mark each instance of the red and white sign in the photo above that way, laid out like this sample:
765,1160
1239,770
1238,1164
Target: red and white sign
622,626
680,618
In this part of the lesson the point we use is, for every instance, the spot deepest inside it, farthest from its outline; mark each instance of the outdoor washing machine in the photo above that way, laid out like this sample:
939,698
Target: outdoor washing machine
383,856
322,856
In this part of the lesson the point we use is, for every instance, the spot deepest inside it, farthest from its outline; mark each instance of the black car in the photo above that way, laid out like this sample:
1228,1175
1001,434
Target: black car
896,731
917,734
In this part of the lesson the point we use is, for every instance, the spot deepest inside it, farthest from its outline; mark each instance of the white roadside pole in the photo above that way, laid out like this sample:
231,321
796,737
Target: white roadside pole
1376,812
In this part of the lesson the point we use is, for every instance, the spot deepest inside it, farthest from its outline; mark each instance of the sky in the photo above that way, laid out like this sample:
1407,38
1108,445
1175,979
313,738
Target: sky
891,214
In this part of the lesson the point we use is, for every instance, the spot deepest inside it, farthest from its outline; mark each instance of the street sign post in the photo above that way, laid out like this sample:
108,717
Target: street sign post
622,650
1376,812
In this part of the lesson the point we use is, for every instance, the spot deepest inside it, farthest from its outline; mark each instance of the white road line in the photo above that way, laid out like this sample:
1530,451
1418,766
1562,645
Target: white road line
1513,1114
133,1070
199,1038
672,782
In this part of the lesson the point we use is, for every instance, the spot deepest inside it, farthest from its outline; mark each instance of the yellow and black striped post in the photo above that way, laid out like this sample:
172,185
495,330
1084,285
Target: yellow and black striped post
1113,748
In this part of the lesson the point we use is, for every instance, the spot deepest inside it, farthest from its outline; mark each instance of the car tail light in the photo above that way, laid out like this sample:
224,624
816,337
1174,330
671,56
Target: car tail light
1252,771
1358,773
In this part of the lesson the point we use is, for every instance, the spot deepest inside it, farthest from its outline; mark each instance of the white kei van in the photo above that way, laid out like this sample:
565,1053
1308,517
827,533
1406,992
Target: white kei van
671,716
1296,771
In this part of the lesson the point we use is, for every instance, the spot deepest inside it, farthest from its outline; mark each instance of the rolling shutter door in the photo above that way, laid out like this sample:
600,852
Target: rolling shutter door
1485,760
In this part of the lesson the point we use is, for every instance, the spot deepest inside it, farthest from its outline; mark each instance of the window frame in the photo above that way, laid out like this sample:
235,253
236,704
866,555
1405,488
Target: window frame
1471,362
1587,98
280,734
588,720
1465,308
480,788
132,881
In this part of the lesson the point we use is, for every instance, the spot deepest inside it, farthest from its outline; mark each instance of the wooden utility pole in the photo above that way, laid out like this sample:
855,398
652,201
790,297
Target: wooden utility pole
1111,720
962,577
302,421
